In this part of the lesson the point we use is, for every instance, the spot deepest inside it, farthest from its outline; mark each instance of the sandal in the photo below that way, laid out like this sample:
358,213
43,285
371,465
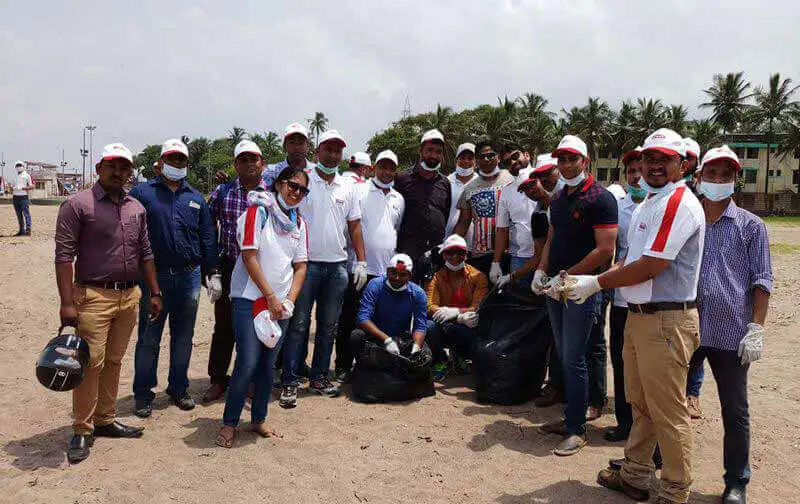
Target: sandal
226,441
264,430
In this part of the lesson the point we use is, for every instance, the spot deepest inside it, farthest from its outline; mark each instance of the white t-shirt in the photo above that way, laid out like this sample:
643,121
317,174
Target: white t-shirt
625,208
668,226
380,221
456,188
277,250
23,180
514,211
327,209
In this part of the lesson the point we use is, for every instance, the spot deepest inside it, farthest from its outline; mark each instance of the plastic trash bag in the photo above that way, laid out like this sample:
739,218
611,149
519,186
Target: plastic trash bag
379,376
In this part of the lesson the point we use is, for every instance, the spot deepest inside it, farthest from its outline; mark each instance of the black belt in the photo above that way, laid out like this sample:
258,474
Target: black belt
118,286
176,270
662,306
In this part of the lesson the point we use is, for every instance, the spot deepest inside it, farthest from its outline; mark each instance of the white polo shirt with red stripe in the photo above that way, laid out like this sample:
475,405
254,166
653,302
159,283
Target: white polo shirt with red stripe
327,209
277,250
667,226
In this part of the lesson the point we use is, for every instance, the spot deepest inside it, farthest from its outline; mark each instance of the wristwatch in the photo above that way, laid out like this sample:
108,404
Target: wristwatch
155,294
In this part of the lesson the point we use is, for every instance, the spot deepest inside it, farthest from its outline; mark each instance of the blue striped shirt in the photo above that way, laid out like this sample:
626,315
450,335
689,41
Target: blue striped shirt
736,259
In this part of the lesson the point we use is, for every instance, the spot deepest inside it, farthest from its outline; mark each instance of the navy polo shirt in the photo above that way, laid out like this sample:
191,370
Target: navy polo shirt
574,218
179,225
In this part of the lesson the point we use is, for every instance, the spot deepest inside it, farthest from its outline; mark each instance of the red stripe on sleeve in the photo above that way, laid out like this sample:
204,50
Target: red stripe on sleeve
666,222
250,226
259,305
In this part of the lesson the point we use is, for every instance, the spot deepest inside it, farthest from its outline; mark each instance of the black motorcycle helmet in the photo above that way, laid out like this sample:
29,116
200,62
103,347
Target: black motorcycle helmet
63,361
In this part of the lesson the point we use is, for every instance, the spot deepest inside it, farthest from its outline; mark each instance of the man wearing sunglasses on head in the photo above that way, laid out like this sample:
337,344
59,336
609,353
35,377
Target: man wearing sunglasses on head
478,205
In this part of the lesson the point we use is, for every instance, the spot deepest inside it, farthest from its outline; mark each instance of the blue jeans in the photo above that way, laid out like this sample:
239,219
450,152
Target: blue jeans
23,210
457,337
518,262
254,364
572,324
180,294
326,283
696,373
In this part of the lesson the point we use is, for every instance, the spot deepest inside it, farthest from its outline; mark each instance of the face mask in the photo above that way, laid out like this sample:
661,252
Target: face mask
636,192
285,205
327,171
396,289
430,168
465,172
490,174
559,186
575,180
656,190
457,267
381,185
716,192
173,173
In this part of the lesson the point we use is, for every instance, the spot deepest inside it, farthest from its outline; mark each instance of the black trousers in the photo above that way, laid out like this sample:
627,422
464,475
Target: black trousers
622,410
222,340
596,356
347,323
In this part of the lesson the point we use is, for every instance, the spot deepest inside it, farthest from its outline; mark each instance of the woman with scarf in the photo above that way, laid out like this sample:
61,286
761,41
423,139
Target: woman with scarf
265,284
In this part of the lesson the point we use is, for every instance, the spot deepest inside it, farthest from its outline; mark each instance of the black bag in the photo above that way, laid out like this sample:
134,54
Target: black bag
380,376
510,355
62,363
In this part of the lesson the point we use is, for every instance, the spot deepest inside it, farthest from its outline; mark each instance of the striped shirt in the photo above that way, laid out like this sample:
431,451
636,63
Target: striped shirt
226,212
736,259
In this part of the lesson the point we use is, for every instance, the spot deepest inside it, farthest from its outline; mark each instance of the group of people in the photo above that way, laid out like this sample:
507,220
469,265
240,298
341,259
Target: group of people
687,279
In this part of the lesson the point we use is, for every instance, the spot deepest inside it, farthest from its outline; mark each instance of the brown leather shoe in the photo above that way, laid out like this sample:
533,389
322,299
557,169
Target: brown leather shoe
693,402
213,393
611,479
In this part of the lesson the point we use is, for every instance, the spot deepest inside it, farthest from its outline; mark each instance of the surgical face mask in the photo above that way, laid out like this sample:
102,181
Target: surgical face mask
454,267
636,192
465,172
576,180
327,171
656,190
716,192
382,185
490,174
285,205
173,173
426,167
396,289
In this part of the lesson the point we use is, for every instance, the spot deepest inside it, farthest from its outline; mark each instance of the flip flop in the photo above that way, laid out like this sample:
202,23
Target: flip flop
225,442
264,430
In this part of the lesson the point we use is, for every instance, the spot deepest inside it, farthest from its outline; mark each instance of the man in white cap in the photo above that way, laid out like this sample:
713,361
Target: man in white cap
333,215
427,196
692,163
227,202
382,209
659,282
103,231
22,204
463,174
581,239
733,298
359,168
295,144
184,243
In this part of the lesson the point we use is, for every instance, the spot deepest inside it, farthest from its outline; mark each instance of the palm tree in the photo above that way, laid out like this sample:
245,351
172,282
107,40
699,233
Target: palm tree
772,107
622,130
649,117
705,132
675,118
236,135
728,98
533,105
789,143
591,123
318,124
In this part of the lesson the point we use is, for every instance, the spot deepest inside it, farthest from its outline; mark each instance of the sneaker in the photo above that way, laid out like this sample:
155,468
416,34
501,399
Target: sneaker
184,402
288,397
611,479
323,386
343,376
693,402
143,408
440,370
461,366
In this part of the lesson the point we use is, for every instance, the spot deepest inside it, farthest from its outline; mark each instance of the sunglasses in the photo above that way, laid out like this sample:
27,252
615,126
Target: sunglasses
295,187
487,156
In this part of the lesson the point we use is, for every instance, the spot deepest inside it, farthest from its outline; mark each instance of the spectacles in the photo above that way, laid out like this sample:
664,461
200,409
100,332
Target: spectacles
295,187
487,156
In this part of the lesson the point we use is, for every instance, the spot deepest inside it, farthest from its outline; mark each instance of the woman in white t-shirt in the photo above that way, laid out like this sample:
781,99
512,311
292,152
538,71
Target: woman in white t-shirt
265,283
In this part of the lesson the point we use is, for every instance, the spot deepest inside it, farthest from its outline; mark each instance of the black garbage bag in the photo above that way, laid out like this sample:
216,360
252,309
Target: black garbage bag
510,355
380,376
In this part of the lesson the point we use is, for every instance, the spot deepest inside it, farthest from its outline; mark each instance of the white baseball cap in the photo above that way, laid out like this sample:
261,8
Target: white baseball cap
665,140
387,154
361,158
246,146
453,241
571,143
723,152
544,162
19,163
401,262
633,153
172,146
465,147
117,150
433,135
295,129
691,147
327,136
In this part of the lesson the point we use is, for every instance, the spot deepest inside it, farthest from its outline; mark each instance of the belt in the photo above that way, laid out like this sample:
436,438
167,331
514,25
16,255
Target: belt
662,306
118,286
177,270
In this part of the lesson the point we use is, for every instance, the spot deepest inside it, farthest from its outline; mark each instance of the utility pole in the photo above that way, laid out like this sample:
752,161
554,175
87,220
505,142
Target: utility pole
2,172
91,129
83,155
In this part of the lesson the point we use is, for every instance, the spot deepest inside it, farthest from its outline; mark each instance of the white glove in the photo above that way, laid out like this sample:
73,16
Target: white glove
495,272
415,348
391,346
445,314
540,282
469,319
584,287
214,286
752,345
503,280
360,275
288,309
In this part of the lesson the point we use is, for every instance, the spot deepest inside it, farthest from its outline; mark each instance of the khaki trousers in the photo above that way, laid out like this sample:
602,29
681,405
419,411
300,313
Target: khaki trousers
106,319
656,355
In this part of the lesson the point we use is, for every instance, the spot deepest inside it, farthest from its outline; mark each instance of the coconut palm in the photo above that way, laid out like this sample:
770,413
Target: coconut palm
705,132
591,122
236,135
675,118
649,117
728,97
622,131
317,125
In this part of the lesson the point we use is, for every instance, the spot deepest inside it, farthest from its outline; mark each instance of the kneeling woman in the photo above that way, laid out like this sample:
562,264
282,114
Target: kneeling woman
267,278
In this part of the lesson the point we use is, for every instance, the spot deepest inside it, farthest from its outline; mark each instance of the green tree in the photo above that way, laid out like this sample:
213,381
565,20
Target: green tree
591,122
675,119
317,125
728,97
622,131
145,159
705,132
235,136
649,117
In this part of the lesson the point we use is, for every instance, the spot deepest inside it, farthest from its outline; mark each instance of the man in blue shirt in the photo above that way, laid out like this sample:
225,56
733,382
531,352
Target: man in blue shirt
184,242
388,305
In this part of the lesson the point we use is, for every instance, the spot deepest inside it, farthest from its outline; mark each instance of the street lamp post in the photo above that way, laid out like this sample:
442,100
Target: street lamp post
91,128
83,155
2,172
